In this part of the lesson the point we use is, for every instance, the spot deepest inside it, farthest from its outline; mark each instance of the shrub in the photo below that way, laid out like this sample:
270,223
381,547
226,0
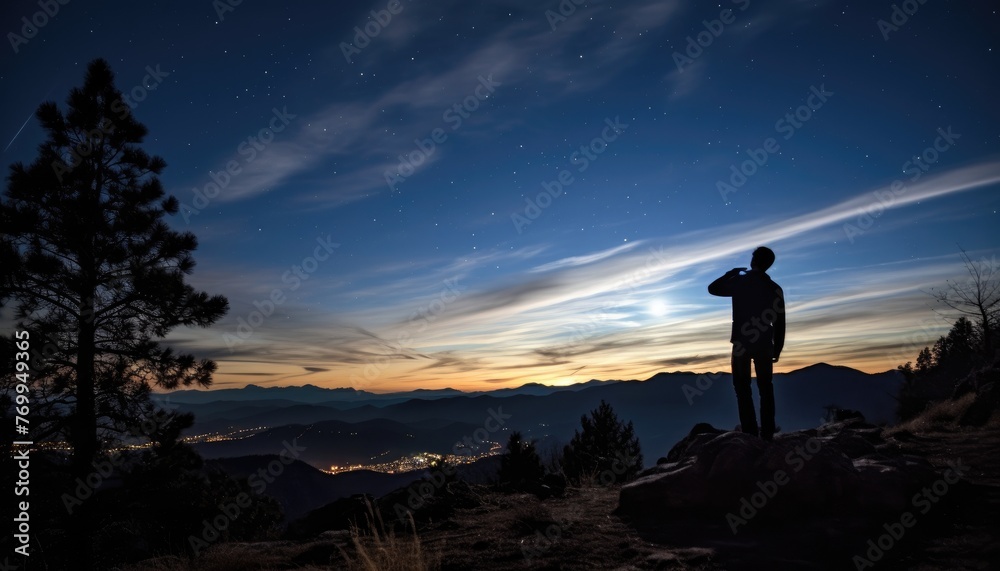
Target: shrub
605,449
520,466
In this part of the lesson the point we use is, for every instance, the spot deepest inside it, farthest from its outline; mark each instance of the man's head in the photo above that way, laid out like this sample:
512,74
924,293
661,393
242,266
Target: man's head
762,259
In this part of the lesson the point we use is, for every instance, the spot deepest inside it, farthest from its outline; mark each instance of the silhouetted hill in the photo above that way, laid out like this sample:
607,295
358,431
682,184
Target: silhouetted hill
346,397
299,487
304,393
227,419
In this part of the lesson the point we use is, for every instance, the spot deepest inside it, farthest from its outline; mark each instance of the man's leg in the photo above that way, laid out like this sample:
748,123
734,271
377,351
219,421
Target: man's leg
765,388
741,382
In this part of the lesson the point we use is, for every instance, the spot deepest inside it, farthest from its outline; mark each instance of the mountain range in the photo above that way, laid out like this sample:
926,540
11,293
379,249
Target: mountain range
346,426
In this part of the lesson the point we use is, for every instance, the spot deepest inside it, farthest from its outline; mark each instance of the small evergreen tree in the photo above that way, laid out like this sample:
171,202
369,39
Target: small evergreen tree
606,449
907,371
520,466
925,361
954,353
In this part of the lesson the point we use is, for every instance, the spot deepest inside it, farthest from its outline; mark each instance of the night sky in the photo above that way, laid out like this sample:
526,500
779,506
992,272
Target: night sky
480,195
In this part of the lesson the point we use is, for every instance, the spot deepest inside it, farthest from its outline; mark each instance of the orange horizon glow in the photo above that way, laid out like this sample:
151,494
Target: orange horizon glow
474,384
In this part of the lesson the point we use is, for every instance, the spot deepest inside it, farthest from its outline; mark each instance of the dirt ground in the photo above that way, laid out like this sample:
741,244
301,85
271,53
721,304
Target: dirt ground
507,532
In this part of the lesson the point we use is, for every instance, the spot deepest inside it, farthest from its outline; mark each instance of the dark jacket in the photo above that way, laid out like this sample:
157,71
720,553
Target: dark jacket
758,308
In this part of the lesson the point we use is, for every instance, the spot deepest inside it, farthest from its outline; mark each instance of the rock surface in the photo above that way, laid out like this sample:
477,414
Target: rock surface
842,468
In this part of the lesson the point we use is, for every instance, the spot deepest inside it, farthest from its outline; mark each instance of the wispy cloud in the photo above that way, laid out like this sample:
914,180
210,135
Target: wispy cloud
365,132
593,309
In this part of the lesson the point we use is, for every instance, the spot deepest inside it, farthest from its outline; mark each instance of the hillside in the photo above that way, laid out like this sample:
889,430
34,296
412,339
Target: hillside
299,487
584,531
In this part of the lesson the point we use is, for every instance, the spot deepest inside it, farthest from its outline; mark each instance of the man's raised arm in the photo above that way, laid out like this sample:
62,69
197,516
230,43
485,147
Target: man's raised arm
723,287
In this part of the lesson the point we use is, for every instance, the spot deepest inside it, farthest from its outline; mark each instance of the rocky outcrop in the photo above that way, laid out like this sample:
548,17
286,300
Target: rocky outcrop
840,468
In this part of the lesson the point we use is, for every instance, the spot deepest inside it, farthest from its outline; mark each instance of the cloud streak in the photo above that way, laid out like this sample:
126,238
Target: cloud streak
590,310
360,129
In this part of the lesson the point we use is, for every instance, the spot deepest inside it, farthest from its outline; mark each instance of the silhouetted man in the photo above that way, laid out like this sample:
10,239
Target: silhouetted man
758,335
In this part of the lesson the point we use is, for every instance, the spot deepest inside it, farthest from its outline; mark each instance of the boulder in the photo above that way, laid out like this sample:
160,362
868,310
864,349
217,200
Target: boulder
841,468
338,515
700,434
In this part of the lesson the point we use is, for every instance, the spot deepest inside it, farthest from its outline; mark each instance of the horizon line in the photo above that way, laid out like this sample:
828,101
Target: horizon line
674,372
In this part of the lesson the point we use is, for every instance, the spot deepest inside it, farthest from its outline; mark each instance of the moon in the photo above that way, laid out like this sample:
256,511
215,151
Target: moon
657,308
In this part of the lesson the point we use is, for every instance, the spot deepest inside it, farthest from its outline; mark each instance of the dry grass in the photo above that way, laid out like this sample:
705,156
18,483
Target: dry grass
529,516
263,556
374,549
595,479
943,415
379,550
159,564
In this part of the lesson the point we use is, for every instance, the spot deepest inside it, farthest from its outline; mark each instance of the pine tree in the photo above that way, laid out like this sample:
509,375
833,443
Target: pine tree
605,449
520,466
925,361
954,352
96,274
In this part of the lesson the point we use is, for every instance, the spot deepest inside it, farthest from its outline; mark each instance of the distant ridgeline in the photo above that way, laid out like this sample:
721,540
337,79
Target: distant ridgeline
370,426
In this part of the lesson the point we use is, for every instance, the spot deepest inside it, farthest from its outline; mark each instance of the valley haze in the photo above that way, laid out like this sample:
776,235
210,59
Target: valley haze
349,427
